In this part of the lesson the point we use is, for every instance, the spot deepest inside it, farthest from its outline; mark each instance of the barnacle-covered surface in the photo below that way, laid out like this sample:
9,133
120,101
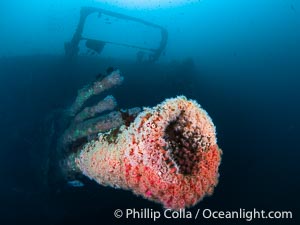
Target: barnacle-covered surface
168,154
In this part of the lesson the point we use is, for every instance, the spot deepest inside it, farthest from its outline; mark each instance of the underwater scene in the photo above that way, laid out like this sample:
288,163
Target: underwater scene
149,112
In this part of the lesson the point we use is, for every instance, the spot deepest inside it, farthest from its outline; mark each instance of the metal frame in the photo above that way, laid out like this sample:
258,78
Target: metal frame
72,49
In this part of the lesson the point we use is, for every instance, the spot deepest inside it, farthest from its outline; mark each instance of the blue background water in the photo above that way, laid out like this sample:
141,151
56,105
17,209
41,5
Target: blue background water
246,75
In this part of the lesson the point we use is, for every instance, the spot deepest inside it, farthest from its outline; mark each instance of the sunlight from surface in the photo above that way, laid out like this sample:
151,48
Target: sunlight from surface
144,4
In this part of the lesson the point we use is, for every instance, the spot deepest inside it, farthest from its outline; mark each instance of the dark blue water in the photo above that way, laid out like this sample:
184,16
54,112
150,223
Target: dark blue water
250,88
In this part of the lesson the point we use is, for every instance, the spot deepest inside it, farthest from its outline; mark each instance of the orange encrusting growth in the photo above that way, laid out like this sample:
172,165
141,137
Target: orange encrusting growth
168,154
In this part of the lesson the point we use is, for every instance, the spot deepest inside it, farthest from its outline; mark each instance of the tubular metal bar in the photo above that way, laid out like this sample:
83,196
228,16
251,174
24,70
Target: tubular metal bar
71,48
